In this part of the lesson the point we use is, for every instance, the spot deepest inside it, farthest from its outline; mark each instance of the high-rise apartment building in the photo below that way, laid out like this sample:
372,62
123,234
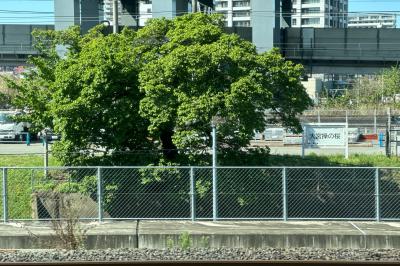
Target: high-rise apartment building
145,12
130,12
237,13
142,10
376,21
108,11
261,15
320,13
240,13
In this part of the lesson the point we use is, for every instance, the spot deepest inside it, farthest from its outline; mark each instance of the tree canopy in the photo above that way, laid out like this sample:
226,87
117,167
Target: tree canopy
368,92
158,88
201,73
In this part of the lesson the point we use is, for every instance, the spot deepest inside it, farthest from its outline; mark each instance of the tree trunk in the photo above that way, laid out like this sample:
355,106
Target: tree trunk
169,149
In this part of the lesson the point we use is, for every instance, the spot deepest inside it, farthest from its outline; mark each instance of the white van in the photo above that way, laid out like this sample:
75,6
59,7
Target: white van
9,129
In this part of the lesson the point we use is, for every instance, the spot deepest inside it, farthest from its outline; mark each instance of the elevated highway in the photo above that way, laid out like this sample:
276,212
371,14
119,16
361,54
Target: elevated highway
16,44
322,51
342,51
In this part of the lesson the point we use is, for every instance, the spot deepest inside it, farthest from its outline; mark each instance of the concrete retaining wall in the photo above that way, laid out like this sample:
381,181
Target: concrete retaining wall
167,234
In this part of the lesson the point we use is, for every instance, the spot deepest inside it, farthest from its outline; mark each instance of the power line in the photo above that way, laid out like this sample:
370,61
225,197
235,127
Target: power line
272,12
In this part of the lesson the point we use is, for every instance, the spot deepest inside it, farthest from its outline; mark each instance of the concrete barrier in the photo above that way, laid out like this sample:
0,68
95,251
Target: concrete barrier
325,235
168,234
43,236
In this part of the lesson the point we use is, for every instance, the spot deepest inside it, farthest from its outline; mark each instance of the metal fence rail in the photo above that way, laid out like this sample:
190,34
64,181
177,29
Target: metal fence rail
243,193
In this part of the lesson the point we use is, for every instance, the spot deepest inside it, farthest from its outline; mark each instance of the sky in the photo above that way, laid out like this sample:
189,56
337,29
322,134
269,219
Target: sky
373,5
26,12
40,11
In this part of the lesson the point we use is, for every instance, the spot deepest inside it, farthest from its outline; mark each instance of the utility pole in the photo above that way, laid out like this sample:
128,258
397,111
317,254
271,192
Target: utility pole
194,6
115,16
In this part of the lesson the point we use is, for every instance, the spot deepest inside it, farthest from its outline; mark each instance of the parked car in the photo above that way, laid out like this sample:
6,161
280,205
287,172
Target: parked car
48,134
9,128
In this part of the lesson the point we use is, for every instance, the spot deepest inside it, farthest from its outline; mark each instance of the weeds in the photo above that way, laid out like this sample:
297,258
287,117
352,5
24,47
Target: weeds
205,242
170,242
185,241
65,222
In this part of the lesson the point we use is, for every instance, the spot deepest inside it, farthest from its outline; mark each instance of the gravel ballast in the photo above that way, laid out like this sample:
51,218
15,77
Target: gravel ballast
197,255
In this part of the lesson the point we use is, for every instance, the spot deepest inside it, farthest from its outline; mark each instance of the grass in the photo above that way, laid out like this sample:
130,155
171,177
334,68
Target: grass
357,160
21,182
25,161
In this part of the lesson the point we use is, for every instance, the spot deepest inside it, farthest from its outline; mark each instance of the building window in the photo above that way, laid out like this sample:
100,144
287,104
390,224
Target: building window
310,1
241,24
222,4
245,13
310,21
243,3
311,10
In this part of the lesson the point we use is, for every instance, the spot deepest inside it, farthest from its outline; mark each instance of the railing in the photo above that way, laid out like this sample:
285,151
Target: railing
18,48
243,193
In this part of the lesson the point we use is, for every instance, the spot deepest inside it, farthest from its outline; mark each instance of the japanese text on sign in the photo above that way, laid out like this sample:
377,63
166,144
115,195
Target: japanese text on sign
325,136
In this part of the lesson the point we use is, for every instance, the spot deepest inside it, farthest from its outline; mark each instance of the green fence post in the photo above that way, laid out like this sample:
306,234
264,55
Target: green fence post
99,194
377,195
192,195
5,199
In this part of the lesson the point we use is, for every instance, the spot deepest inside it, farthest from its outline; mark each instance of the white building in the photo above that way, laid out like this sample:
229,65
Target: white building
373,21
237,13
145,12
320,13
108,11
124,16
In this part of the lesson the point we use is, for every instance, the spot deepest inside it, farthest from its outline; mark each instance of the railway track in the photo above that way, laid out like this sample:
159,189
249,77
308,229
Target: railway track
206,263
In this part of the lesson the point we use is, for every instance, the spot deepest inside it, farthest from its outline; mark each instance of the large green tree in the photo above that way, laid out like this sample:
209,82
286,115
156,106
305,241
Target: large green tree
90,95
96,101
35,90
199,73
164,84
391,83
368,92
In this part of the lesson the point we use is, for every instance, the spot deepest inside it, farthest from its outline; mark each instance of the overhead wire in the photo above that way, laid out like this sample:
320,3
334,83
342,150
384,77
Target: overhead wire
49,17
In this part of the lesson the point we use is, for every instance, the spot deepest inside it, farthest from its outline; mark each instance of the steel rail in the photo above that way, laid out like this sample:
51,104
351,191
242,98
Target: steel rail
205,263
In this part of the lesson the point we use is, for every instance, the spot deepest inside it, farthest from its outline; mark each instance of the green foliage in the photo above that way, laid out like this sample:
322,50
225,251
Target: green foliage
170,242
5,93
368,92
202,73
158,174
203,187
35,90
90,97
5,100
250,157
112,95
205,241
185,241
87,185
391,79
100,82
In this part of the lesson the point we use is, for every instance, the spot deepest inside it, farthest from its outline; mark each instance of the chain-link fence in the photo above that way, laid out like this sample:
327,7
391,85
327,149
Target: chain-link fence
366,127
101,193
365,121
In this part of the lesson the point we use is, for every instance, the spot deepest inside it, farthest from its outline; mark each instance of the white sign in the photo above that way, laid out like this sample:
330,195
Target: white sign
327,135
